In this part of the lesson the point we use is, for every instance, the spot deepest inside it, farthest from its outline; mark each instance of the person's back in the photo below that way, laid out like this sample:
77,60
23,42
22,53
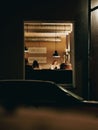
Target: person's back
35,65
66,66
62,66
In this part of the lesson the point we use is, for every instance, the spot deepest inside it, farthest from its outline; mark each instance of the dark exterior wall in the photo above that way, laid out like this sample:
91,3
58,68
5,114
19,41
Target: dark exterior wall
81,48
94,51
12,43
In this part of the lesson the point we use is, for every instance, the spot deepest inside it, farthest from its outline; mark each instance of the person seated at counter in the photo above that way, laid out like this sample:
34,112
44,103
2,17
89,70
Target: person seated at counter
66,66
54,65
35,65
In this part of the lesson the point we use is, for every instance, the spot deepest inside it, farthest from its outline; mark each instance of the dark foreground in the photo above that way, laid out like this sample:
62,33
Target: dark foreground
32,118
39,105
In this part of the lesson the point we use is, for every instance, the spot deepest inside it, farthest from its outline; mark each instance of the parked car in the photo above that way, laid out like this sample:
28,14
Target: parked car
15,93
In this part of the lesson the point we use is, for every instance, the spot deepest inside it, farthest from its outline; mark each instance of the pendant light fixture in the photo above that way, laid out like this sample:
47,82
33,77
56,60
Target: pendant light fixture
55,54
25,49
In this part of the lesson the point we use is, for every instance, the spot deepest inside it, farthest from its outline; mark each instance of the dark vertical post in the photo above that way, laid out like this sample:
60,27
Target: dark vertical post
89,46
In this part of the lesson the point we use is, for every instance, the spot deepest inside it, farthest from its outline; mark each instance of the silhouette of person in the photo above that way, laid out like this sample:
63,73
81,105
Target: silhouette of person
35,65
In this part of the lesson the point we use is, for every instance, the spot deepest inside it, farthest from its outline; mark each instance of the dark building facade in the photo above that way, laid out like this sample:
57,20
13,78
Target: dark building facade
12,42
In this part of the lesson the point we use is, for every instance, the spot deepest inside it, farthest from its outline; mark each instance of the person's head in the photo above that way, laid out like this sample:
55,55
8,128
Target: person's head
65,66
35,64
62,66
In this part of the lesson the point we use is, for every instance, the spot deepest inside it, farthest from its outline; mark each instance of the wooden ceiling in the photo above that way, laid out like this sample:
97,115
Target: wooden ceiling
46,31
